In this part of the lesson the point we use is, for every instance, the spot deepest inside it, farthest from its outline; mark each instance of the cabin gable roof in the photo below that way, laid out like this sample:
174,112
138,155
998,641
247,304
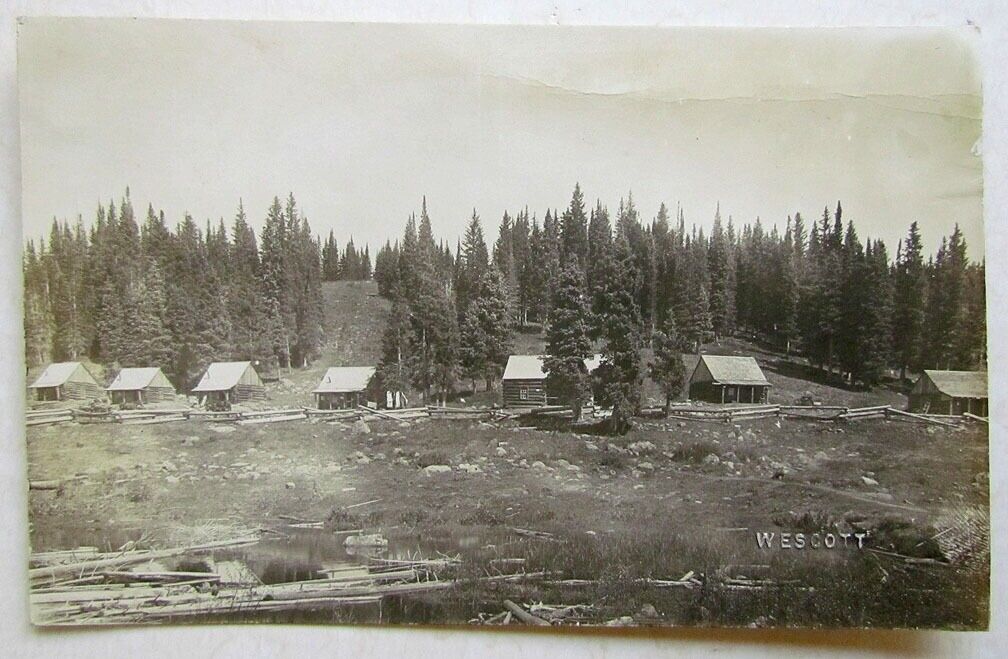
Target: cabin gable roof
345,379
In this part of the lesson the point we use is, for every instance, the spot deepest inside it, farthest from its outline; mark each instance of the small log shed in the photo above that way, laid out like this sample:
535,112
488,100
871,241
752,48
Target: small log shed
728,379
233,382
343,387
66,381
140,385
950,392
524,380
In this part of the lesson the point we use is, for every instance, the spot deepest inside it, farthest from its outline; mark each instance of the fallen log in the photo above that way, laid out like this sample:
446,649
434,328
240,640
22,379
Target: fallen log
918,417
126,576
133,557
48,420
272,419
975,417
378,413
541,535
62,555
44,485
63,411
912,560
252,414
524,615
154,419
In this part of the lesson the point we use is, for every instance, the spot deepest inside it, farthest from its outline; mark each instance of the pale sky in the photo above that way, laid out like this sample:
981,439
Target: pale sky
361,120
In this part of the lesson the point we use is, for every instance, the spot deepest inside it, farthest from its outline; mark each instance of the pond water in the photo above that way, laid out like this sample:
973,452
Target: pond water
304,554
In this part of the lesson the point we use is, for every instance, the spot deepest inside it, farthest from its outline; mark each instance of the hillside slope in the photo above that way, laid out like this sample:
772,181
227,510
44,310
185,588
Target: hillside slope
354,321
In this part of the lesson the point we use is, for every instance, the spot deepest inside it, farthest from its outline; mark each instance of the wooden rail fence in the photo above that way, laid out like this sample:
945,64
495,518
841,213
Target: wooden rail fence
684,413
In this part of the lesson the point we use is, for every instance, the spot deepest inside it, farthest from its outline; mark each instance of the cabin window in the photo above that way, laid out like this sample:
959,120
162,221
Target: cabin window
523,393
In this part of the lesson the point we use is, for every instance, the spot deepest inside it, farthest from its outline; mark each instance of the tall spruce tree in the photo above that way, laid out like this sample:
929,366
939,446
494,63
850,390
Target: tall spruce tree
666,367
487,330
620,375
574,230
567,342
909,294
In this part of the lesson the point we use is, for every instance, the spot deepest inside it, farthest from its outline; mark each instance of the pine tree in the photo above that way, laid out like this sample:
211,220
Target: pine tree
393,372
520,252
909,295
38,321
487,329
503,260
574,230
386,269
567,342
620,375
474,261
698,327
152,342
601,262
667,368
876,338
721,260
535,276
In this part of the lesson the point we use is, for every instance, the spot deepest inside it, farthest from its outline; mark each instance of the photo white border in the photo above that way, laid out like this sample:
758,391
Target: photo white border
17,638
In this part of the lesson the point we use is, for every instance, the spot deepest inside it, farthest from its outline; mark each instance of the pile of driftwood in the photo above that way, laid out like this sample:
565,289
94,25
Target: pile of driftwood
87,587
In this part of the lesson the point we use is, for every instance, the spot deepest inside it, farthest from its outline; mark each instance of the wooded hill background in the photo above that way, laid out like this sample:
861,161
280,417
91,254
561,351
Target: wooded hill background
129,293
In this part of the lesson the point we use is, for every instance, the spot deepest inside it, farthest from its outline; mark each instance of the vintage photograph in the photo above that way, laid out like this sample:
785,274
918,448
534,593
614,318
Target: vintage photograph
503,326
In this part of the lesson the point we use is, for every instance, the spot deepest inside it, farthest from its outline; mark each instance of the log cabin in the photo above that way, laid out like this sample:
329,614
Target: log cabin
524,380
66,381
231,382
141,385
950,392
728,379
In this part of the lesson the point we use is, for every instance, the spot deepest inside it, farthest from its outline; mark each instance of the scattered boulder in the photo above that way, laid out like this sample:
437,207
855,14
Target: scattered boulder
779,469
711,459
470,468
641,447
645,466
648,611
431,470
361,427
290,485
538,464
501,451
222,428
366,540
622,621
869,481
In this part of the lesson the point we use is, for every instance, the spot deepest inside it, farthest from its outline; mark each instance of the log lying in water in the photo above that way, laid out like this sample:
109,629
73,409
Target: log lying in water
524,615
128,558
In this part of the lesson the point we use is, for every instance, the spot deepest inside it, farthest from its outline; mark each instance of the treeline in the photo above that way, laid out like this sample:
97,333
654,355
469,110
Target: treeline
349,265
143,294
131,294
615,283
